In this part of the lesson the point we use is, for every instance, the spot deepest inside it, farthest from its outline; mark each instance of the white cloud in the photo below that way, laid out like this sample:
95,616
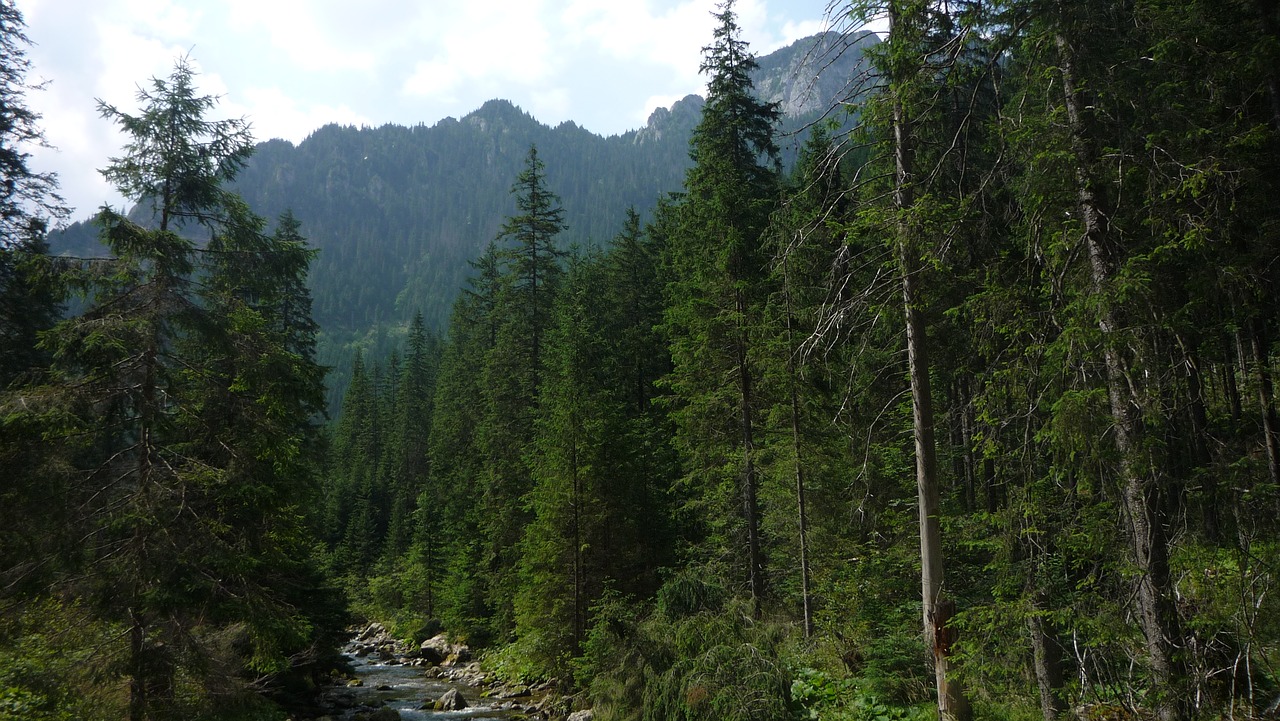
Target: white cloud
160,18
437,79
551,105
635,31
274,114
483,47
292,27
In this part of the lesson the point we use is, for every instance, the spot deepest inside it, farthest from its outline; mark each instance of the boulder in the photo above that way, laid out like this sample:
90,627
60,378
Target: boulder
371,632
450,701
513,692
430,654
439,650
583,715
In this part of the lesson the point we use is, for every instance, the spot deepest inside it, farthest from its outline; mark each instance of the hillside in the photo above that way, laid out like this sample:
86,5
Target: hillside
397,212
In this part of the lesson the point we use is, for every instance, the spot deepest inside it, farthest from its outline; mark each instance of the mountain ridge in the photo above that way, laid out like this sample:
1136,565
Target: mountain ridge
398,212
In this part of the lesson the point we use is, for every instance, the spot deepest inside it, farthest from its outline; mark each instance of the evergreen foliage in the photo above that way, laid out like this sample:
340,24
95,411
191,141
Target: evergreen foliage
699,472
176,436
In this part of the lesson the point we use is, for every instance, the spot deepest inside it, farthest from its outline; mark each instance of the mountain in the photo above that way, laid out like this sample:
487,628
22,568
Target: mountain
811,76
397,212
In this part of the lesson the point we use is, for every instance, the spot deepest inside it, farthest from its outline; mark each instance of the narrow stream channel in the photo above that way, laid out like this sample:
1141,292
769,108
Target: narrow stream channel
407,688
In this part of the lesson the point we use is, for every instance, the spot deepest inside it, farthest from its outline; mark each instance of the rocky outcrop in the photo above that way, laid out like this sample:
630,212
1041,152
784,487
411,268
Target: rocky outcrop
678,121
816,73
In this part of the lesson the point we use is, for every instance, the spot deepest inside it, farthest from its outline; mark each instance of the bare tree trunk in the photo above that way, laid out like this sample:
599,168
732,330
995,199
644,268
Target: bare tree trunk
1139,485
937,611
802,516
1047,655
1232,387
137,668
1262,370
1210,520
751,509
579,601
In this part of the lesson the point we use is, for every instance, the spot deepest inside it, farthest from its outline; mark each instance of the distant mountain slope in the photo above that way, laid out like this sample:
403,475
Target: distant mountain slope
397,212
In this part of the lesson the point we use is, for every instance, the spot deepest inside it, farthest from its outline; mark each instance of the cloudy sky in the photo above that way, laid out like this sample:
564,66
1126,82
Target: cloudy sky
291,66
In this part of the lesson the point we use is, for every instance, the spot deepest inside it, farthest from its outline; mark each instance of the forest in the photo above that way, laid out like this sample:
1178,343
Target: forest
969,414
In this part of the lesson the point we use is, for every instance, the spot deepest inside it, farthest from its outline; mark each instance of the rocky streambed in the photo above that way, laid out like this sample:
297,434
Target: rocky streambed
435,680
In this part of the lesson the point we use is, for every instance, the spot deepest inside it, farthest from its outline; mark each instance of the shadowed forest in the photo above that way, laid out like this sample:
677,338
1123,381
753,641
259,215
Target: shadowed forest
966,412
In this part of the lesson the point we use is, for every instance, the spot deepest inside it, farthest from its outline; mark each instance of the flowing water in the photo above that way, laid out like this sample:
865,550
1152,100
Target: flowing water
405,688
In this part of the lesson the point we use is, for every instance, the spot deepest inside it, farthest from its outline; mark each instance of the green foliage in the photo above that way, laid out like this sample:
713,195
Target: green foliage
820,696
714,303
52,659
704,665
183,448
28,198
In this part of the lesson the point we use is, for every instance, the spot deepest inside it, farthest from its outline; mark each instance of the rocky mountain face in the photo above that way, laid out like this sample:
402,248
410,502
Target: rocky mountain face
812,76
679,121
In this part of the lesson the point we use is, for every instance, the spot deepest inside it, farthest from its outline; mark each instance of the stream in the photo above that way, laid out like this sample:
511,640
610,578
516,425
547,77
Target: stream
406,688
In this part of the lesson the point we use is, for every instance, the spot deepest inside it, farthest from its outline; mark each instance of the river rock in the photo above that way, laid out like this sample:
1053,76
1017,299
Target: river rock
438,649
372,632
450,701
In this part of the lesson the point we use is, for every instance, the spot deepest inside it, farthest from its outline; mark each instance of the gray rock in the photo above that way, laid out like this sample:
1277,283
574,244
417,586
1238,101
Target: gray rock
583,715
450,701
373,630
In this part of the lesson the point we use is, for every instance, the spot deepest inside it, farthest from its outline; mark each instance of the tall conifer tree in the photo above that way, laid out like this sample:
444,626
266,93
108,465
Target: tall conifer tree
715,298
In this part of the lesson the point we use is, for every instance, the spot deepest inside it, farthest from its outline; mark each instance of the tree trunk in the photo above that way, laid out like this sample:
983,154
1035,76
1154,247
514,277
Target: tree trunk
802,516
1138,474
751,511
1047,655
1262,370
936,611
1211,523
137,669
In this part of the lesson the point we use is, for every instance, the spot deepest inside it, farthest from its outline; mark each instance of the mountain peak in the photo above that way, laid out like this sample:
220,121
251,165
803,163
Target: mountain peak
499,113
680,119
814,74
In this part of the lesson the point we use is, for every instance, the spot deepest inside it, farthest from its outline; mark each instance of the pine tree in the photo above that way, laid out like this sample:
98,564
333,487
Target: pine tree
450,529
185,418
512,377
26,196
714,300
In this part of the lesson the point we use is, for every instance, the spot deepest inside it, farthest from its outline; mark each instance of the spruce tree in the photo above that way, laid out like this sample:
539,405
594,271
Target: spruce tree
512,376
183,420
715,297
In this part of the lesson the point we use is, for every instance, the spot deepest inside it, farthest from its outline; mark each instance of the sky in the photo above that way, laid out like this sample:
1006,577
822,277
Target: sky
292,66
